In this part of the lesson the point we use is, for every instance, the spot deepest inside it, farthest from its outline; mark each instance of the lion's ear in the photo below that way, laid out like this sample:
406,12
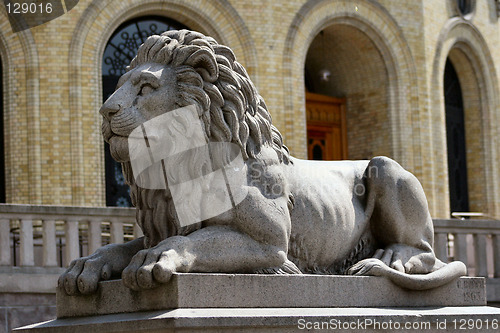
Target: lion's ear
203,61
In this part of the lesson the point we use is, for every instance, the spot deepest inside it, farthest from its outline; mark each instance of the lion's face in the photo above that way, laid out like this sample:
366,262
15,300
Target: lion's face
143,93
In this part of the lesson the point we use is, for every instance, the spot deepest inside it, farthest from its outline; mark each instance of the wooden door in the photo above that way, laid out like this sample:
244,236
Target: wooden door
326,127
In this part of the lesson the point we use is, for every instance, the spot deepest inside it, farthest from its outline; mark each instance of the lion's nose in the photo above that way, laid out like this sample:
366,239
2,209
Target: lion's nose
108,109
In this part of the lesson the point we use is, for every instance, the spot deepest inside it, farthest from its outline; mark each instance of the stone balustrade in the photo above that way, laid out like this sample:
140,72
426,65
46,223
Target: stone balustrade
54,235
474,242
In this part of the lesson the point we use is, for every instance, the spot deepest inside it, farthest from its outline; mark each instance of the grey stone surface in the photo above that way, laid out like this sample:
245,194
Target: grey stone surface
29,279
439,319
493,290
20,309
193,290
27,295
173,123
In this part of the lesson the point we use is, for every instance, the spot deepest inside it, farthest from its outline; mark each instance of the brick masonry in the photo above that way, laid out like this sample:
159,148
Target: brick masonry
395,104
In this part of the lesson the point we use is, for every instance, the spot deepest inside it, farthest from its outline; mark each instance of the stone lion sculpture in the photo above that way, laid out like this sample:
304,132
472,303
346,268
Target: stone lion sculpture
296,216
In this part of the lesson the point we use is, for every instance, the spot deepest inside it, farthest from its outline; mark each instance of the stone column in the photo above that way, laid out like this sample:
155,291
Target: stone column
460,247
49,243
440,245
72,242
95,241
480,257
116,232
5,242
26,239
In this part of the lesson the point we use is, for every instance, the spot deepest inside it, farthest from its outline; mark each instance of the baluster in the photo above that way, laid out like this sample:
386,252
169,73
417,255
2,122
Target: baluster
116,232
137,231
440,246
49,243
496,254
480,255
72,242
4,242
26,238
95,240
460,244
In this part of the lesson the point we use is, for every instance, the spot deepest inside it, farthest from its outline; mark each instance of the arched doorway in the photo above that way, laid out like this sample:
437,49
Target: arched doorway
347,89
2,142
455,140
120,50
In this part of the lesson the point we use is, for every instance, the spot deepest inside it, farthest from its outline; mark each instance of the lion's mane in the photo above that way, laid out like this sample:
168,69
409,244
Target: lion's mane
230,109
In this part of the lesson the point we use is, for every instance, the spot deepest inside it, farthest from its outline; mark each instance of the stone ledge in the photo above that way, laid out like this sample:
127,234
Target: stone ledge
29,279
276,320
270,291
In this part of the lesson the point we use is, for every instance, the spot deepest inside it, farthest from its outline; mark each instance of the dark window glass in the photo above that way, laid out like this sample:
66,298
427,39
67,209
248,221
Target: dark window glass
464,6
455,136
120,50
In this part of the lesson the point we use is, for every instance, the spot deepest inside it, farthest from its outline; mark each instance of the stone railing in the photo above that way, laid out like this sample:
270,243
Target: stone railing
474,242
51,236
54,235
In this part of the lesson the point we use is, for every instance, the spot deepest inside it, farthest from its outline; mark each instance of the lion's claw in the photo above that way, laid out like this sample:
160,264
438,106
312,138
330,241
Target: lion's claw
148,269
370,266
382,260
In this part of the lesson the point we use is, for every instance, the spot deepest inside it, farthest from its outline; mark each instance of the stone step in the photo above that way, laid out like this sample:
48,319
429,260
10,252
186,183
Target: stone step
234,320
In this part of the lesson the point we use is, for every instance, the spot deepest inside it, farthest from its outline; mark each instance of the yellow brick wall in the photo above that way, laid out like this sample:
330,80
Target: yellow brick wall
52,86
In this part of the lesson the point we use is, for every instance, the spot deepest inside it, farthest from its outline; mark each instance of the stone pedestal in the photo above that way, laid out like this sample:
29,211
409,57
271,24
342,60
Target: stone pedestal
273,303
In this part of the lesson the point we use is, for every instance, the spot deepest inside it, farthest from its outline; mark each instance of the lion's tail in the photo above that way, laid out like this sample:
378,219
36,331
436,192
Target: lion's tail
437,278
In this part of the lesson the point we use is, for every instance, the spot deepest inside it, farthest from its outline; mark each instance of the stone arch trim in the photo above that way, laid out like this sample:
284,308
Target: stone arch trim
463,43
375,21
21,114
216,18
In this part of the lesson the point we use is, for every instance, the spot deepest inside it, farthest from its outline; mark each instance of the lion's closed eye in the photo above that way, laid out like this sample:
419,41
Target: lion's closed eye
146,89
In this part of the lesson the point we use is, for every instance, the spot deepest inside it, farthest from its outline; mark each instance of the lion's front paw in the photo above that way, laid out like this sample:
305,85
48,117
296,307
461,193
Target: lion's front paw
151,267
370,266
83,274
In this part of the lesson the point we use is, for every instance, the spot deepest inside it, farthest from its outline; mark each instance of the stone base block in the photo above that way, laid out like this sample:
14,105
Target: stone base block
273,303
269,291
444,319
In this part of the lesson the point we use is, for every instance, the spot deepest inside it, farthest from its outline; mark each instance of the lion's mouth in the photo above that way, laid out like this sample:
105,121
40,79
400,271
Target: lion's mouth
107,133
119,148
118,144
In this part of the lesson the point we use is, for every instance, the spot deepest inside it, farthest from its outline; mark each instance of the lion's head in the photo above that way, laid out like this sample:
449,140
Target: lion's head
174,70
181,68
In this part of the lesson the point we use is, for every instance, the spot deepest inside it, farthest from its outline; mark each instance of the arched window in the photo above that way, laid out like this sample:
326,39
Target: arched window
2,143
120,50
455,138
